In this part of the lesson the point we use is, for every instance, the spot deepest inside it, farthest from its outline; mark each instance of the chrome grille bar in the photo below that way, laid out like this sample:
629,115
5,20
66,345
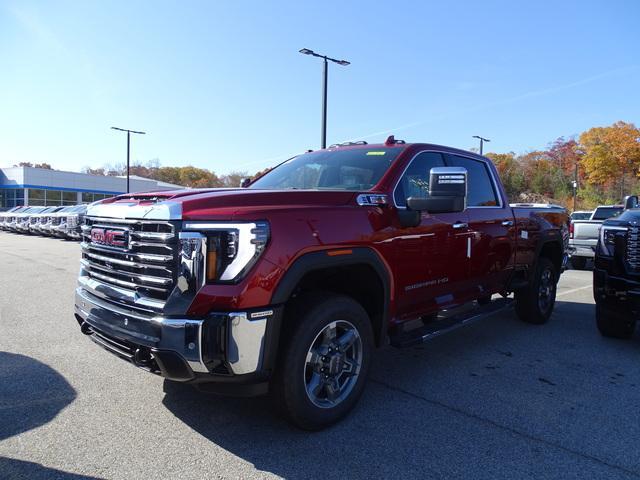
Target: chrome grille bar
143,267
633,248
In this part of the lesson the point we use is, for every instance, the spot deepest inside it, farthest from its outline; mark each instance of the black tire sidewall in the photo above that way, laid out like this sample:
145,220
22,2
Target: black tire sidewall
613,320
527,305
314,315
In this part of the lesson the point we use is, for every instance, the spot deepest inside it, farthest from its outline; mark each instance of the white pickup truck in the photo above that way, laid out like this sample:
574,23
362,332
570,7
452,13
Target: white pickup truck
583,234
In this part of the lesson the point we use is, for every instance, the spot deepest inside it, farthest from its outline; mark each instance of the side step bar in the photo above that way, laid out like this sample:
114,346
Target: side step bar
452,320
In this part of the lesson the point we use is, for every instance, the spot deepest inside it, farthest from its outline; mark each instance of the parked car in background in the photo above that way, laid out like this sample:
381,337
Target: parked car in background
37,220
69,222
581,215
23,219
52,220
7,215
583,234
616,274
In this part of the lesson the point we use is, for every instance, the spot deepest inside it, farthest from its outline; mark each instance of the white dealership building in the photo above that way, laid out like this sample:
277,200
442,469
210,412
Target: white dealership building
39,186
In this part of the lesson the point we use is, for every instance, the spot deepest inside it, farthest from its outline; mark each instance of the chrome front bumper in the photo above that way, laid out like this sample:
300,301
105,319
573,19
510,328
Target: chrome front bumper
233,341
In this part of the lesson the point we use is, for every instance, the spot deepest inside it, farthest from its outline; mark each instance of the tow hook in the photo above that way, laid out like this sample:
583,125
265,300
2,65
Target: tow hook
85,328
142,357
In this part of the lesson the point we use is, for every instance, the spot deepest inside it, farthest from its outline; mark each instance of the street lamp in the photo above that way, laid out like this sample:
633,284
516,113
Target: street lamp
482,140
344,63
129,132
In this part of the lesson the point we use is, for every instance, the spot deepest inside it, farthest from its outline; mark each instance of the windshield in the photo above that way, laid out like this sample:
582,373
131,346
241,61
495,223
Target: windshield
602,213
349,169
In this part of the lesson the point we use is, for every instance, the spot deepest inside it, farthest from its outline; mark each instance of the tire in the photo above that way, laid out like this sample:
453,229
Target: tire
614,322
309,397
534,304
579,263
484,300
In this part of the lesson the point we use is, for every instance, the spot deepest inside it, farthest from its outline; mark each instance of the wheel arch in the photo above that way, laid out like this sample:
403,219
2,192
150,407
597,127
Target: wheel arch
359,273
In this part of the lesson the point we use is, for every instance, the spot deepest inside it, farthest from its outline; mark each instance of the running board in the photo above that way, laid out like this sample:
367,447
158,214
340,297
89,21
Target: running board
449,322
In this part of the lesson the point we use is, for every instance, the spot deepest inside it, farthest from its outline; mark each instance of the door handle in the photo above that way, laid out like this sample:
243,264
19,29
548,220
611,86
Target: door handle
459,225
507,223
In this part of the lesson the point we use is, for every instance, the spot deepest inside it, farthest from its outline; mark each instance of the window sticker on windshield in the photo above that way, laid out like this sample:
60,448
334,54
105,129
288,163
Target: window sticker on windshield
376,153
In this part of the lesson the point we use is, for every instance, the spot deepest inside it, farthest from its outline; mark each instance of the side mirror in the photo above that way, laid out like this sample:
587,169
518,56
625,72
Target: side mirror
447,191
245,182
630,201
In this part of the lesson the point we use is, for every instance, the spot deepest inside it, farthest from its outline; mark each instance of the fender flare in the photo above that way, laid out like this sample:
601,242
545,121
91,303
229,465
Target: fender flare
320,260
552,237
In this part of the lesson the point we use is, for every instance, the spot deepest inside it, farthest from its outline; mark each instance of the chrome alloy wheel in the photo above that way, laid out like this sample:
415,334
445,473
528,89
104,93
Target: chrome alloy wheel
546,289
333,364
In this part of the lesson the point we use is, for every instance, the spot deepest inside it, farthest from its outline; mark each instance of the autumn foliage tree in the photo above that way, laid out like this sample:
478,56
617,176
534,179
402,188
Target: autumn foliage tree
612,155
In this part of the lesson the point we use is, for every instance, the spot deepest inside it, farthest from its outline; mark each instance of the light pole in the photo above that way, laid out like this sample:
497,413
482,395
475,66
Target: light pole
482,140
129,132
325,74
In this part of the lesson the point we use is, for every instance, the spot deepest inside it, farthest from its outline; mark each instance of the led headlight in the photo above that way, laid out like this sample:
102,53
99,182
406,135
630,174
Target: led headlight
229,250
608,237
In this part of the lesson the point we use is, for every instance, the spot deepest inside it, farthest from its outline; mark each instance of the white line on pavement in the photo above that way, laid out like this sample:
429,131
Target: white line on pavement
573,290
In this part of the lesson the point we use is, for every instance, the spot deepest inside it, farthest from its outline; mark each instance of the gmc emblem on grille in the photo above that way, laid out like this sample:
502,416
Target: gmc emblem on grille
111,238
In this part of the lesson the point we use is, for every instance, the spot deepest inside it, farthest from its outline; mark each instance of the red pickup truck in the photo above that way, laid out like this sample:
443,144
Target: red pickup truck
287,286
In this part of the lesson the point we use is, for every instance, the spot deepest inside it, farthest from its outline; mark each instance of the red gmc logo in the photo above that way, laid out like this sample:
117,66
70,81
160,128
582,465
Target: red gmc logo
111,238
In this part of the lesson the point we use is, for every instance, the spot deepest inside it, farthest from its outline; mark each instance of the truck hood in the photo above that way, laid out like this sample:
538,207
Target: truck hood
202,204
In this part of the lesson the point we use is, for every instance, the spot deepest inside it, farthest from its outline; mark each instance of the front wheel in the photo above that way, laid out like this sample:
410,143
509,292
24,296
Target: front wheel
323,368
614,322
534,303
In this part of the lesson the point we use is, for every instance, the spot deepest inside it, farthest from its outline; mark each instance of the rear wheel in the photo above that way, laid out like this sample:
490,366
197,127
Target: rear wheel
614,321
579,263
324,364
534,303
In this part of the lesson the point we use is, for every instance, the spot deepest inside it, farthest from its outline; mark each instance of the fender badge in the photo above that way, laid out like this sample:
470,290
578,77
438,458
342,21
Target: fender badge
266,313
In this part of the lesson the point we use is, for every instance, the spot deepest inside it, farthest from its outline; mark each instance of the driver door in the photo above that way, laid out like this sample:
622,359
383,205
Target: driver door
432,262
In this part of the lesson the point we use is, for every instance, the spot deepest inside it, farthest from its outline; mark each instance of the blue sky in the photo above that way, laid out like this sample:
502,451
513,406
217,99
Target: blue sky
221,85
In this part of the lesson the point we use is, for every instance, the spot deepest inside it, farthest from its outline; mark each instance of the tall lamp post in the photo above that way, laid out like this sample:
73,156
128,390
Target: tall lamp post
482,140
129,132
325,74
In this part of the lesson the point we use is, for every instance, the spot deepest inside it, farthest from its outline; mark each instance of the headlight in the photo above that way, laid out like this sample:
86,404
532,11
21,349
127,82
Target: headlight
226,250
608,236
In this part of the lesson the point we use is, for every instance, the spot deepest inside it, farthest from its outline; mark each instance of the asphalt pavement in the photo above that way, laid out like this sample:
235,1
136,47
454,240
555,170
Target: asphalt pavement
498,399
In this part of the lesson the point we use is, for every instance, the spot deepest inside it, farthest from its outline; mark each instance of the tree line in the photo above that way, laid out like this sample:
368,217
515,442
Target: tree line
604,162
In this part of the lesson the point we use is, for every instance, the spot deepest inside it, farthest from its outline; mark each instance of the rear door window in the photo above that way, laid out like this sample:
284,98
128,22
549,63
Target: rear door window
480,189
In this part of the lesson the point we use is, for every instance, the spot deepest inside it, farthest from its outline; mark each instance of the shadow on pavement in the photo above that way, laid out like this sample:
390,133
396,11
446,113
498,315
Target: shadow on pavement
18,469
31,395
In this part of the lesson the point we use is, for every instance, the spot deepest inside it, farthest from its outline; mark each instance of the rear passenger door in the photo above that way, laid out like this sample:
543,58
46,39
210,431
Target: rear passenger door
491,226
430,259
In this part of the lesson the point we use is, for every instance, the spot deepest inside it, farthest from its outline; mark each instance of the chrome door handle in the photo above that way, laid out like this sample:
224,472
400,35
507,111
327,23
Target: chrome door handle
459,225
507,223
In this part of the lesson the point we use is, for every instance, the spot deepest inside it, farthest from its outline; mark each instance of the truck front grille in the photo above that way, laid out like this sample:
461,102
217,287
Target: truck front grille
143,261
633,248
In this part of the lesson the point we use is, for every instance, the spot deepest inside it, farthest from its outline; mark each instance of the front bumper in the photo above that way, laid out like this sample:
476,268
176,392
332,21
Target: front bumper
577,250
232,348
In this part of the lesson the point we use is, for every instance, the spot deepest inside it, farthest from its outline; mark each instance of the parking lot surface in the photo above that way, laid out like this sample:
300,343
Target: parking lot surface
497,399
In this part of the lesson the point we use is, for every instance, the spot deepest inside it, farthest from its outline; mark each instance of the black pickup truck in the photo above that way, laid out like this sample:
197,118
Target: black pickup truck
616,276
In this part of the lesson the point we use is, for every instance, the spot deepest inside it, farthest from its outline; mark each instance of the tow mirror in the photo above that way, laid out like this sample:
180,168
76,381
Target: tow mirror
245,182
447,192
630,201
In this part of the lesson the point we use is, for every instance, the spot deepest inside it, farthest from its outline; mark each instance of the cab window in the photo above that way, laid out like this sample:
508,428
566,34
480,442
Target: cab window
480,188
415,180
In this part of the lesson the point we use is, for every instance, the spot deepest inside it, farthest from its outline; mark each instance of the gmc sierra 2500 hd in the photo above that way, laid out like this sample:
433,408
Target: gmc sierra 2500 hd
288,285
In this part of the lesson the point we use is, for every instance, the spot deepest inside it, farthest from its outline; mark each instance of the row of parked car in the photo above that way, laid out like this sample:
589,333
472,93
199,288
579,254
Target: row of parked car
63,222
